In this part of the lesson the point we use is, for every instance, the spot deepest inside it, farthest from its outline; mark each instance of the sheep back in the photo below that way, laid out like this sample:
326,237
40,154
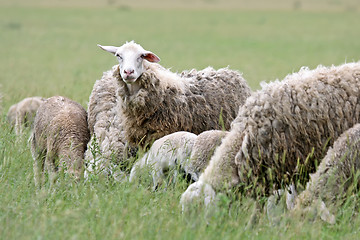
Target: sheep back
283,130
203,149
167,154
60,131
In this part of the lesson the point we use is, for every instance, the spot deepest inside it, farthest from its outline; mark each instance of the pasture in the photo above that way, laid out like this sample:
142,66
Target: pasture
49,48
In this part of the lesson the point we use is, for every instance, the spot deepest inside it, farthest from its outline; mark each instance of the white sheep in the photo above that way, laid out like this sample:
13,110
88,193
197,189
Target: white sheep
179,151
152,102
106,148
22,114
336,177
282,130
202,151
59,138
168,154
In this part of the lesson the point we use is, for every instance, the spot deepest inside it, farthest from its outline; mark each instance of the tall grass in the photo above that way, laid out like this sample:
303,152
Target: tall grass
52,51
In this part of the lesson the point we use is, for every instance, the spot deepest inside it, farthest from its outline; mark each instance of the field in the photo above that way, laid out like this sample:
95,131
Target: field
49,48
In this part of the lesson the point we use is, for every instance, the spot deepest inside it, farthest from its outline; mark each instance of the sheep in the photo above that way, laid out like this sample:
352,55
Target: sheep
22,114
166,155
281,131
182,151
106,147
202,151
152,102
59,138
336,176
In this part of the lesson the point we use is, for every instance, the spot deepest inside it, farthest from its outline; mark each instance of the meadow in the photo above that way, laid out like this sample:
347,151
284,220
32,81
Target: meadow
50,49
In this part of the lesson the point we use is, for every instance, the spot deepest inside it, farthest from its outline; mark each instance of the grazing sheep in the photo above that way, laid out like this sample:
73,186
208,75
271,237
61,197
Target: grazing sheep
22,114
179,151
202,151
337,174
282,130
167,154
152,102
59,138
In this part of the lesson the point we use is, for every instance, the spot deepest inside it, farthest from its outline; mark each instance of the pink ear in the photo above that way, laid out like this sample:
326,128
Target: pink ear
151,57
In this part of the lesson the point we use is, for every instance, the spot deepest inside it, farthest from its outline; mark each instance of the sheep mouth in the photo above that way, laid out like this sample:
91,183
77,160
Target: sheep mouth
130,80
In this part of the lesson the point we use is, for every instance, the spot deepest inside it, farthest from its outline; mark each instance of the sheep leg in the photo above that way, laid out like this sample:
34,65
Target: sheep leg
38,165
157,176
50,166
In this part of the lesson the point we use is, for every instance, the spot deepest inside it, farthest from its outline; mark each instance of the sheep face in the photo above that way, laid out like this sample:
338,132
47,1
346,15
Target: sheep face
131,60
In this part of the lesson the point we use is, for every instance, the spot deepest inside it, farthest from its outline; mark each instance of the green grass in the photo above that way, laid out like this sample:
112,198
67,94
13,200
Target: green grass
48,51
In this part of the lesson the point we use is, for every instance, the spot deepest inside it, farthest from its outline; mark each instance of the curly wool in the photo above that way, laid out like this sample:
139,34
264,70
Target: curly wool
105,124
202,151
196,106
284,128
60,133
336,172
167,155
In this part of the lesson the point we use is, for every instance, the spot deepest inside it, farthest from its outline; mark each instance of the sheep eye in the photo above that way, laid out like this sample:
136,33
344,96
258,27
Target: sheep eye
119,57
141,57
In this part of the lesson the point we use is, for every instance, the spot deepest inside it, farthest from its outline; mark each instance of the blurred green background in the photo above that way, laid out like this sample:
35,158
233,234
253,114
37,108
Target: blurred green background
49,47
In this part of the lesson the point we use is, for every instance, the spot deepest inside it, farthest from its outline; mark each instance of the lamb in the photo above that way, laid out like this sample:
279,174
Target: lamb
22,114
59,138
166,155
281,131
152,102
336,176
179,151
202,151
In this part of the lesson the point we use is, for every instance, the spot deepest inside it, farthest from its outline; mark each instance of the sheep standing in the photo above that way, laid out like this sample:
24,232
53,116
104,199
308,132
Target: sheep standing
282,130
22,114
106,147
337,174
153,102
59,138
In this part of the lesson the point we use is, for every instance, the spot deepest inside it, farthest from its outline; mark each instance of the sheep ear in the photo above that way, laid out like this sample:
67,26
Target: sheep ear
109,49
151,57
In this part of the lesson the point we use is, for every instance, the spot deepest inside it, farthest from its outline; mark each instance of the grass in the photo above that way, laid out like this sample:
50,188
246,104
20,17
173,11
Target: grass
49,50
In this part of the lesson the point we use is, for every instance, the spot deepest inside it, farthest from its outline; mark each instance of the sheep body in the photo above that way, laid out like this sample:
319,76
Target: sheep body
160,102
182,151
336,172
166,154
105,125
22,114
202,151
59,138
284,127
195,105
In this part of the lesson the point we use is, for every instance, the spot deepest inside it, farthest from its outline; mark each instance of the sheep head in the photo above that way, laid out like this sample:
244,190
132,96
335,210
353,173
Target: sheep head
131,58
198,193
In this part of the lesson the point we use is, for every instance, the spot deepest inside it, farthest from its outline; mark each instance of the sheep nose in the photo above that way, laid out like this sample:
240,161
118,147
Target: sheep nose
129,71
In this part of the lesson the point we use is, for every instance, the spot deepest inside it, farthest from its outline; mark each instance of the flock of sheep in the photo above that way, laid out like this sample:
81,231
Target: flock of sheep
208,126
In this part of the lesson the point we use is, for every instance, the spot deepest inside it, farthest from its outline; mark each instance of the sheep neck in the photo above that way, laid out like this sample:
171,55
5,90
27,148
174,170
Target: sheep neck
133,87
